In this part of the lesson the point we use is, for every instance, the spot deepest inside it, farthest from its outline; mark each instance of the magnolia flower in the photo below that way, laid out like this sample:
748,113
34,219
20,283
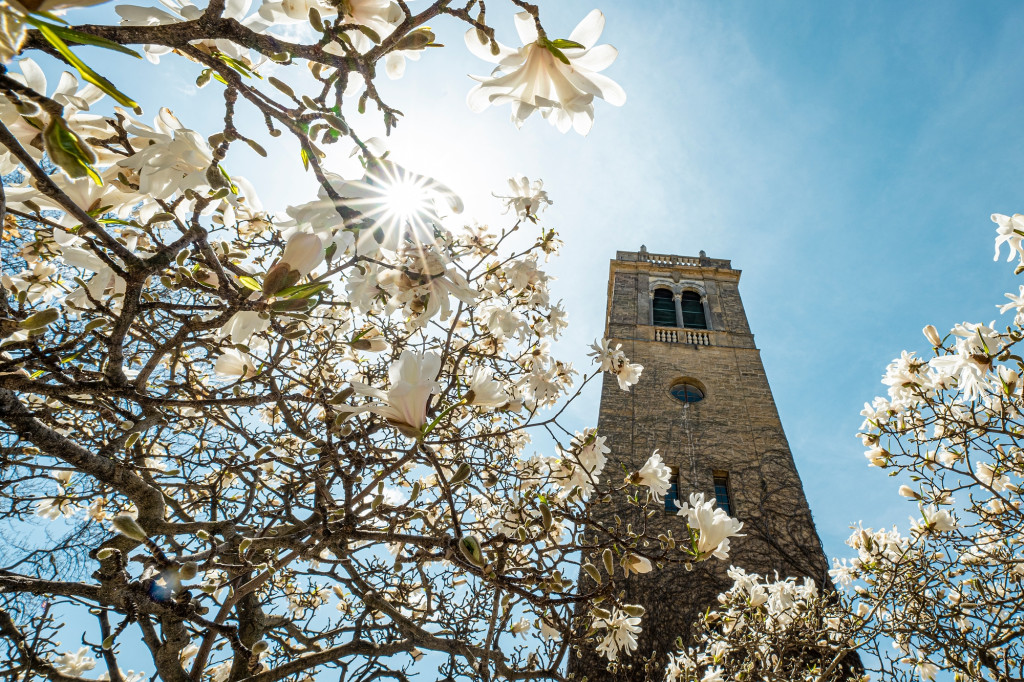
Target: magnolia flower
169,158
655,475
627,373
877,457
52,508
12,21
425,285
287,11
713,675
526,199
560,79
484,390
1009,230
243,325
907,491
234,364
370,340
302,254
582,465
714,527
935,521
636,564
12,32
622,631
183,10
927,670
612,359
413,380
550,632
73,665
987,477
520,627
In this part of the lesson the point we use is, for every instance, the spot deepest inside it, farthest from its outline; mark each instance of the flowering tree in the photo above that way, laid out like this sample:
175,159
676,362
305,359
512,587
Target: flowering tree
256,443
947,595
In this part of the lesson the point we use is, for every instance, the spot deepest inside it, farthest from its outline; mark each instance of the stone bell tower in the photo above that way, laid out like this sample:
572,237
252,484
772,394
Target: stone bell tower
704,402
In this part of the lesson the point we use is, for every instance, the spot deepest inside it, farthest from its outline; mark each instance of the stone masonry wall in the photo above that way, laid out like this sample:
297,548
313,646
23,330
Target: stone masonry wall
735,429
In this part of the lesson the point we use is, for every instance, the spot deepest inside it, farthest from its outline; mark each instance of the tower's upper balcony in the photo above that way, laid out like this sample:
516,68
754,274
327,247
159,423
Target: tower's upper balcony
644,256
683,300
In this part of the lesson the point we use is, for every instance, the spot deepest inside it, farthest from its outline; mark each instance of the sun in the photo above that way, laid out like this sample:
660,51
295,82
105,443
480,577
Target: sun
406,199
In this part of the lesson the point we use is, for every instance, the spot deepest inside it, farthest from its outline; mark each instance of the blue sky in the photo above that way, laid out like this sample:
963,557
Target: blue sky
845,156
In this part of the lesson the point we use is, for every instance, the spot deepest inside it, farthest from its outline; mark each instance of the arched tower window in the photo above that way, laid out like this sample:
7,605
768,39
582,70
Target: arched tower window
664,309
693,311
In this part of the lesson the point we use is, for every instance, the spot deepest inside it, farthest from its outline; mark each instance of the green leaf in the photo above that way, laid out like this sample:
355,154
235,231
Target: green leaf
238,66
87,73
71,35
564,44
250,283
559,55
302,291
51,16
67,150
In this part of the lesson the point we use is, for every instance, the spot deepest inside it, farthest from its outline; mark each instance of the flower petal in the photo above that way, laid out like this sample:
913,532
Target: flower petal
526,27
394,65
595,59
600,86
589,30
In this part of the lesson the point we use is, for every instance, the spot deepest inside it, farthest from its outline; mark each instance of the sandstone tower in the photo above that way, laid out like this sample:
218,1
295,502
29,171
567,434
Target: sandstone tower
704,402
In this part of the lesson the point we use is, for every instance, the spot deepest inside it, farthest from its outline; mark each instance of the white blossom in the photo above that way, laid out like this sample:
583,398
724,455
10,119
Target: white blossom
484,390
620,637
404,405
75,664
713,526
532,78
656,476
527,198
243,325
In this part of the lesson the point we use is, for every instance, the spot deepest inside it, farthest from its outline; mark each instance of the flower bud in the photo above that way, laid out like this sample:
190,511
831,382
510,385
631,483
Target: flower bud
260,646
417,40
907,491
609,561
105,553
461,474
932,334
303,252
279,277
129,527
188,570
41,319
470,547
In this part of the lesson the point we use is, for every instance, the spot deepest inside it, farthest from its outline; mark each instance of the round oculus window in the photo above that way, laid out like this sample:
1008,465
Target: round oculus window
687,393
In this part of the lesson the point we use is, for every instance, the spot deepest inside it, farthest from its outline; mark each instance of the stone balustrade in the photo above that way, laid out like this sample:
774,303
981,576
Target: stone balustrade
696,337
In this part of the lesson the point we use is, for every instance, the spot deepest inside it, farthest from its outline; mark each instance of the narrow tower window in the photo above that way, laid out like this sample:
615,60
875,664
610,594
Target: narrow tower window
672,496
693,311
722,491
664,309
